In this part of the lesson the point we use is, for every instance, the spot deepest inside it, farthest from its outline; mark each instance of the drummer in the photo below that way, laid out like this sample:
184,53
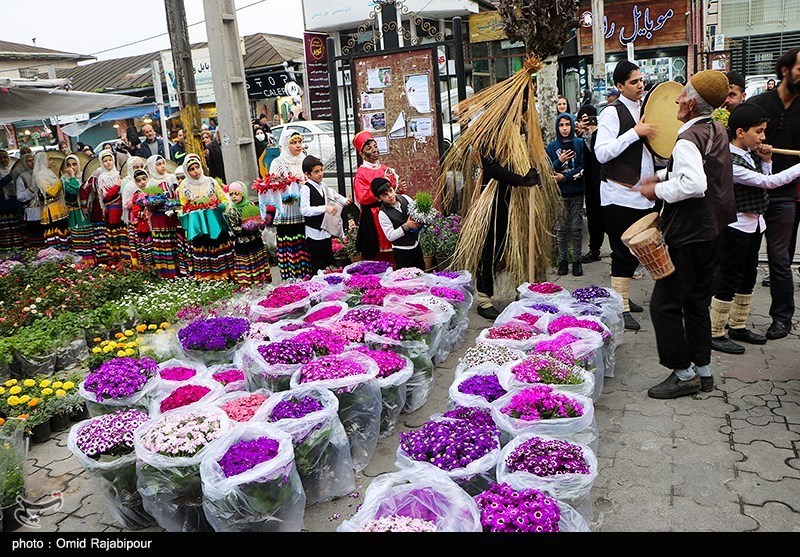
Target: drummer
624,159
697,191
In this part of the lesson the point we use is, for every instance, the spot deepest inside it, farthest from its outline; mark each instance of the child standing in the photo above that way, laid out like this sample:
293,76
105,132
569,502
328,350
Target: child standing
400,229
251,261
566,154
315,201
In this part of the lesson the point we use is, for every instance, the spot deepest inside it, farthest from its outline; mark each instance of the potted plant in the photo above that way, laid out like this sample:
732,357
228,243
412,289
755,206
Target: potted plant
349,242
428,245
37,425
12,470
446,231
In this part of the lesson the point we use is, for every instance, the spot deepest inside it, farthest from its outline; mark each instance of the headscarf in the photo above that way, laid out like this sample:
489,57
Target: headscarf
43,177
106,179
129,165
151,168
293,162
234,186
73,156
5,170
196,187
129,189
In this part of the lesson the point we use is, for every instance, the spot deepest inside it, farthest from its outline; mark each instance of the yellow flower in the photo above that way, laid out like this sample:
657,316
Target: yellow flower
97,339
129,333
57,384
96,350
129,352
34,402
104,343
44,383
121,353
29,383
165,324
141,328
47,391
13,400
11,382
68,385
15,390
119,335
60,393
112,345
152,327
107,349
24,399
2,390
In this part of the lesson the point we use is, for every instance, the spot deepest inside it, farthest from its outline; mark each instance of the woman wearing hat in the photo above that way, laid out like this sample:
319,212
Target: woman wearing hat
31,199
371,241
250,254
54,209
697,191
10,234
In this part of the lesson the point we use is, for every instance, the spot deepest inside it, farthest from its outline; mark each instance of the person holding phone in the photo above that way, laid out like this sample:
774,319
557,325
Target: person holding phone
586,126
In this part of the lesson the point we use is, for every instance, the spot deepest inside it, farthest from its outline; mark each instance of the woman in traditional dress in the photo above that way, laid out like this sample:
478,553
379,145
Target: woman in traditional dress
54,208
32,200
77,201
10,234
109,191
203,202
287,168
168,182
246,224
129,189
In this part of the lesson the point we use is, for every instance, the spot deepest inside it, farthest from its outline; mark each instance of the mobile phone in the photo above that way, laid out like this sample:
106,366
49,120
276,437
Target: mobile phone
592,121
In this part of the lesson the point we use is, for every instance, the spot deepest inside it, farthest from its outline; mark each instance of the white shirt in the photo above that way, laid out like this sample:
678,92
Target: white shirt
392,233
308,210
608,146
687,179
750,222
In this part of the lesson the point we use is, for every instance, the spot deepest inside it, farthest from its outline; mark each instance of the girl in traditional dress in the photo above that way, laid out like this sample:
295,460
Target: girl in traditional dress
246,224
168,182
203,202
129,188
54,208
293,258
168,258
10,234
32,200
139,224
77,201
109,190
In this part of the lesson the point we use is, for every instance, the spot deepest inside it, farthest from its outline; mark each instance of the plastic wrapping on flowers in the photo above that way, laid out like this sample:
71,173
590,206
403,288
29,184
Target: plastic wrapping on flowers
543,368
351,377
583,347
324,314
242,406
214,340
543,291
230,377
284,301
518,336
169,449
175,371
285,328
477,387
368,267
432,497
104,447
486,356
250,481
395,371
270,365
321,447
119,384
565,470
188,394
454,279
434,313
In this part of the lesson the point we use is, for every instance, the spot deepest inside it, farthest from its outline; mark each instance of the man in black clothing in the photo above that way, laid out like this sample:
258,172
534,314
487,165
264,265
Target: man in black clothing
213,154
782,106
586,123
178,149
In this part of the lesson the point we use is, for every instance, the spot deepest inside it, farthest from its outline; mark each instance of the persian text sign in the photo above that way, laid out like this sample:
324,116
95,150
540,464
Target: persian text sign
486,26
318,86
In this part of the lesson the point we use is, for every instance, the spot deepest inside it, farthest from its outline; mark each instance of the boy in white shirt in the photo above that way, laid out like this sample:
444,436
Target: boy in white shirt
400,229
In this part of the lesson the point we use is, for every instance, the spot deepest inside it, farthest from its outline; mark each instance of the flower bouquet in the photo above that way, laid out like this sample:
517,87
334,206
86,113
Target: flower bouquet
325,314
433,315
252,221
503,509
121,383
250,481
200,203
281,302
546,369
487,355
607,300
176,371
270,365
406,501
321,449
351,378
394,371
549,292
185,395
275,182
368,267
104,447
512,335
478,387
542,410
454,279
561,469
155,199
231,378
284,329
322,341
408,277
169,449
577,346
242,406
464,450
214,340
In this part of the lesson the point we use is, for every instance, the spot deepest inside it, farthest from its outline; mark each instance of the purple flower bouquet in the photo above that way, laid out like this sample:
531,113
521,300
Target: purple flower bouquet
547,369
104,447
321,448
119,383
281,302
270,365
231,378
250,482
477,387
504,509
213,341
394,371
368,268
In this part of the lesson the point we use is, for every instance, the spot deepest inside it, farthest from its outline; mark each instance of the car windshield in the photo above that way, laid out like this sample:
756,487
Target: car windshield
326,127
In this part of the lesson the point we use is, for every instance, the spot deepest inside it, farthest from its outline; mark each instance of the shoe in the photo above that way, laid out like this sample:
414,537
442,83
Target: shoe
577,269
635,308
672,387
488,312
590,256
777,330
707,384
563,267
723,344
746,335
765,281
630,323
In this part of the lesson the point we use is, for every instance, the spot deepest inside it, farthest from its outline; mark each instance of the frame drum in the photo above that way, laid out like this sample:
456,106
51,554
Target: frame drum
661,109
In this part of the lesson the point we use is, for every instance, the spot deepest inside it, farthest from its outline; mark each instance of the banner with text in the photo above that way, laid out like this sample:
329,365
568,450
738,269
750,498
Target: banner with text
203,81
318,86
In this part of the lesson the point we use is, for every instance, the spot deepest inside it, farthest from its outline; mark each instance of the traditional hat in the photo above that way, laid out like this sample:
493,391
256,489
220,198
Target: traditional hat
712,85
379,185
623,70
361,138
735,78
745,116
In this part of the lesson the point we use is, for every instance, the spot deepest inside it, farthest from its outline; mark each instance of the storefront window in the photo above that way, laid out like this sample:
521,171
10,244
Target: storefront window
654,70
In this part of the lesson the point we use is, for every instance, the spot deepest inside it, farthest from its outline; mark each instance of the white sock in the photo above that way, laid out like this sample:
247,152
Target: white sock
684,374
703,371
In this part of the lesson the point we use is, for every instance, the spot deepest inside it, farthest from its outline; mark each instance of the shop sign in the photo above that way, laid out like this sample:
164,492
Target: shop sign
486,26
266,85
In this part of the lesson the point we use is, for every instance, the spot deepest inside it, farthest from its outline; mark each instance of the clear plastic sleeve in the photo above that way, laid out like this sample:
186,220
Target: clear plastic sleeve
258,373
166,390
510,382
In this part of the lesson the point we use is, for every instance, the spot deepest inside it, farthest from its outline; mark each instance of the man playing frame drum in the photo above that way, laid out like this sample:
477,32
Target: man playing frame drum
697,190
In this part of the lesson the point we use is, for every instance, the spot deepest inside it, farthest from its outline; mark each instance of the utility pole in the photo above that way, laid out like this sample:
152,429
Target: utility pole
230,91
184,75
598,47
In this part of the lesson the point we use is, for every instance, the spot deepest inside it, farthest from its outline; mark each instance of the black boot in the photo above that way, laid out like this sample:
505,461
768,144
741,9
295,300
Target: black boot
488,312
563,267
746,335
724,344
590,256
635,308
630,323
577,269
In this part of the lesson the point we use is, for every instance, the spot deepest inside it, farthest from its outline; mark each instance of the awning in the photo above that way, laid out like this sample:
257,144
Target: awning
26,100
125,112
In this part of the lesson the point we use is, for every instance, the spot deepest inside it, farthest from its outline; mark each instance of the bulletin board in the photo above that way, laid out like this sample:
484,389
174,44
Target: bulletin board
396,97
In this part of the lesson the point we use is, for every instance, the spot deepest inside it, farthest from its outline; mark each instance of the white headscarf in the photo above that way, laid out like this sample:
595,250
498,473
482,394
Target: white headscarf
129,188
196,187
43,177
288,163
5,170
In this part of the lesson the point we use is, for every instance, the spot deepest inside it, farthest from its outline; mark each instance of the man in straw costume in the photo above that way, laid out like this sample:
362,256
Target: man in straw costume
507,225
697,190
620,149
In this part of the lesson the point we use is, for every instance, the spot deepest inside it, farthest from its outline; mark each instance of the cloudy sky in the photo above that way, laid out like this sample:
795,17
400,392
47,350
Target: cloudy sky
103,28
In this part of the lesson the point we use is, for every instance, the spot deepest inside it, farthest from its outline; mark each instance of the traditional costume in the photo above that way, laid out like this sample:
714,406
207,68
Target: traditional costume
170,251
138,221
54,209
76,198
393,218
251,257
314,201
129,189
32,200
371,241
110,194
10,233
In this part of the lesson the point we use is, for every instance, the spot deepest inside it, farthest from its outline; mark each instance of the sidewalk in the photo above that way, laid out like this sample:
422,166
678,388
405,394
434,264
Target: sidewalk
725,461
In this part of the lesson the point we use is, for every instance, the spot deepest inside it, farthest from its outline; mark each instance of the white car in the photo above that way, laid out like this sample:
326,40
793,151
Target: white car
317,136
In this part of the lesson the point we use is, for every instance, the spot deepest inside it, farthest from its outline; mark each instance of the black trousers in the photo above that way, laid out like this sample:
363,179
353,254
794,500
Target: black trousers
595,220
738,263
618,219
321,254
679,307
780,225
404,258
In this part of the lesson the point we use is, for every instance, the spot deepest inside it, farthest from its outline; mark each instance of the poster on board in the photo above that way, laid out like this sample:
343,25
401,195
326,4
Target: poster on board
374,121
398,130
420,127
418,92
383,144
379,77
372,101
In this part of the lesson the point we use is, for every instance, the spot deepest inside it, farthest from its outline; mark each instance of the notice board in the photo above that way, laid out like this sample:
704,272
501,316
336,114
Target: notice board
396,97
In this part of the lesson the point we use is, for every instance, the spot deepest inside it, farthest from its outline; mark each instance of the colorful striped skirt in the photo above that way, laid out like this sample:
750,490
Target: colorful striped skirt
165,244
34,234
82,244
117,243
99,244
293,258
11,240
56,235
212,259
252,263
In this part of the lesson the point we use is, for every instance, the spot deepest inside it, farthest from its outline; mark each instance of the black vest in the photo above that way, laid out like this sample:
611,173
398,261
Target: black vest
627,166
315,199
749,199
398,219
